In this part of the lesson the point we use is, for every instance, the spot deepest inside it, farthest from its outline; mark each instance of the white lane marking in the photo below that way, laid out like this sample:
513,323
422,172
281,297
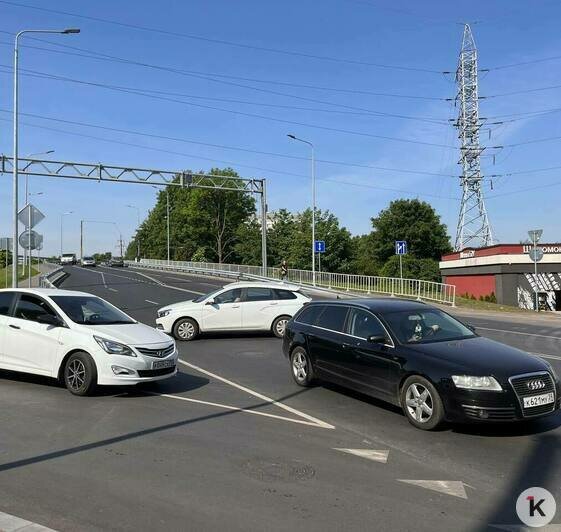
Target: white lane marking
11,523
369,454
314,420
112,289
455,488
521,528
94,271
154,280
518,332
177,279
153,302
543,355
233,408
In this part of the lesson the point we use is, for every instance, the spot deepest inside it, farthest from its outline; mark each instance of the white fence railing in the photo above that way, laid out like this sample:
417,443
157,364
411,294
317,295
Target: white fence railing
363,284
48,280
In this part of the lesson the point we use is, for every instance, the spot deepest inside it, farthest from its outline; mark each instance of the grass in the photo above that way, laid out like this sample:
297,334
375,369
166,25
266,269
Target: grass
9,272
462,302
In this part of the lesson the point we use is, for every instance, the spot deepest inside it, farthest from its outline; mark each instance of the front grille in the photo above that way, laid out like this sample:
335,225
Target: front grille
497,414
158,353
155,372
526,386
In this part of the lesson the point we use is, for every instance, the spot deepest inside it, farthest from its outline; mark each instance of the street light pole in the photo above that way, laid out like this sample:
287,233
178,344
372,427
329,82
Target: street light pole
16,135
293,137
27,194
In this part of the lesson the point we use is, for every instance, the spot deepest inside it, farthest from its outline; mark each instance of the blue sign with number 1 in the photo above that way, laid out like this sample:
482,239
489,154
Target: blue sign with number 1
320,246
400,247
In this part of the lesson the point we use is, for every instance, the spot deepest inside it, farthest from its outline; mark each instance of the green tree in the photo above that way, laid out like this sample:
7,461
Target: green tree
414,221
204,221
413,268
291,240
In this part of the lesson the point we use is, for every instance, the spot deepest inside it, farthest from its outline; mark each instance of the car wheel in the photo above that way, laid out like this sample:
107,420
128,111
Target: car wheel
185,329
80,374
279,326
421,403
301,366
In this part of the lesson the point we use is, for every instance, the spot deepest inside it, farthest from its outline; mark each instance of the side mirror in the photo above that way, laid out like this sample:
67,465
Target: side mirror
377,339
49,319
210,302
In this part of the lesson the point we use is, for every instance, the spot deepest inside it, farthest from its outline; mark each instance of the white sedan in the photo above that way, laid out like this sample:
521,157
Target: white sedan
237,306
80,339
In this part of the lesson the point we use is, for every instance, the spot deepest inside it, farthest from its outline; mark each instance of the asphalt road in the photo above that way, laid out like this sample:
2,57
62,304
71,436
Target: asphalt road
234,444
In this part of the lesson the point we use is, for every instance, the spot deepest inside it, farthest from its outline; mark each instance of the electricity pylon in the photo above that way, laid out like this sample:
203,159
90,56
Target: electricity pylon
473,229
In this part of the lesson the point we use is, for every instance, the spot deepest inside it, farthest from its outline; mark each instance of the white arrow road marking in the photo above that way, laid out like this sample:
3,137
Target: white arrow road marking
449,487
543,355
314,420
11,523
157,281
153,302
376,456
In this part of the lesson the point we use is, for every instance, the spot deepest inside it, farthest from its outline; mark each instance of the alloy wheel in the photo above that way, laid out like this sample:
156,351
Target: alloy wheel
76,374
419,402
280,327
300,367
186,330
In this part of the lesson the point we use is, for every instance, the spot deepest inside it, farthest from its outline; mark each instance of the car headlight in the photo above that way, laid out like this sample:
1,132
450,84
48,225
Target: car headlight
114,348
162,313
552,371
470,382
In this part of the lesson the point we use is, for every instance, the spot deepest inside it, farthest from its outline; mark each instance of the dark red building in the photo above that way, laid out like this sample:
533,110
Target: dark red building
506,271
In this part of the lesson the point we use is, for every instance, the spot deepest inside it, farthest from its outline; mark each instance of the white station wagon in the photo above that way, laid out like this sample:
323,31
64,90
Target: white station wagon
80,339
252,306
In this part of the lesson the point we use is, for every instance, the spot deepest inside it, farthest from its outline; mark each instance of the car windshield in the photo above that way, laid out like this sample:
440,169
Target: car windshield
425,326
200,299
91,310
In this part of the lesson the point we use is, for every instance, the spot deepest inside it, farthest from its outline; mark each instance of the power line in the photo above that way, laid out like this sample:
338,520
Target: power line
224,42
357,110
211,76
523,91
221,146
280,120
350,183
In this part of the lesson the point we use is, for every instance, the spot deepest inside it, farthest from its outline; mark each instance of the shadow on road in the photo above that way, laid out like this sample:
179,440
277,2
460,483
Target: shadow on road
131,435
541,468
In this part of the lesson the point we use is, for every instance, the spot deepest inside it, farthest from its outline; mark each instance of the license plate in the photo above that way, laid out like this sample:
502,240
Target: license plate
538,400
159,364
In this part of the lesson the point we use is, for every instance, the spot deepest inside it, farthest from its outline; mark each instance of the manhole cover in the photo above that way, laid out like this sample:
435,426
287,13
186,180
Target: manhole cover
278,471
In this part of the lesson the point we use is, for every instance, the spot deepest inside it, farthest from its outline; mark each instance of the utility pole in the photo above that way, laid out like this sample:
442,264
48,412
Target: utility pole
15,184
474,229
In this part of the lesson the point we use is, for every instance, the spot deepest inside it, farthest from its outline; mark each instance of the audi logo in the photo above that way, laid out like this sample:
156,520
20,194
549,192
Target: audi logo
537,384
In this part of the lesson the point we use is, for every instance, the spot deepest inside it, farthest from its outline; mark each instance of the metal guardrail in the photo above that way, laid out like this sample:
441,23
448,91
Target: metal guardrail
48,280
360,284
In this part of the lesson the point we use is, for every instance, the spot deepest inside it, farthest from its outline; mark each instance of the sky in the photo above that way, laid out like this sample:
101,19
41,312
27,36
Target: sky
363,80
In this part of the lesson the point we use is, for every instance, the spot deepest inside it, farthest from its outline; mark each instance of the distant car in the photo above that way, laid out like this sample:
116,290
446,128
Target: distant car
237,306
116,262
68,258
80,339
88,261
419,358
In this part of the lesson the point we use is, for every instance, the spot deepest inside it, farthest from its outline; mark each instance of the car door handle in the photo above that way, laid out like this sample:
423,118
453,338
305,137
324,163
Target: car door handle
235,306
14,326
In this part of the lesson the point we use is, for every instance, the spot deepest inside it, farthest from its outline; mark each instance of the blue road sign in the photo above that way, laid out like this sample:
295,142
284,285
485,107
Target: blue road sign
400,247
320,246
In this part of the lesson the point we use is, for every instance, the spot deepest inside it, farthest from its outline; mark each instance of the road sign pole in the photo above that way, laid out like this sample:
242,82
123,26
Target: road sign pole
401,272
29,243
536,275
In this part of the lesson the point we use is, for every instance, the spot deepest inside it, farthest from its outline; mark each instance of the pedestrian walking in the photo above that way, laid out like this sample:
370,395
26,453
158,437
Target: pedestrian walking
283,271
